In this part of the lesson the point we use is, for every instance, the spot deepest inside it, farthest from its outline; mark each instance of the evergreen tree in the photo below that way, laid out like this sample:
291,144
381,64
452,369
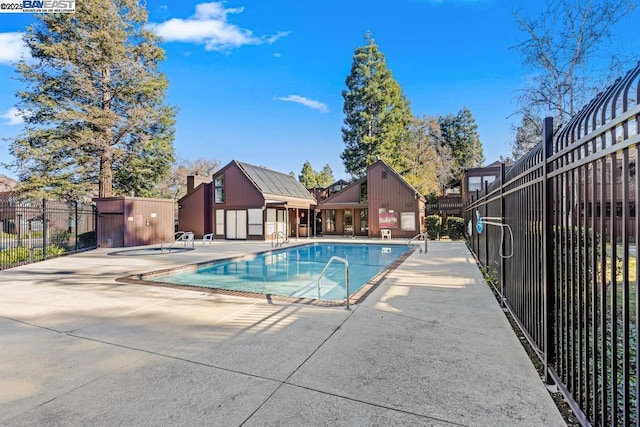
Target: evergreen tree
308,177
377,112
325,177
93,104
460,134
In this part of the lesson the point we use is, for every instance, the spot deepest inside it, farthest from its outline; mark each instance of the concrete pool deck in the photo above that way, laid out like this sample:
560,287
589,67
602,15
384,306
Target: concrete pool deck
429,346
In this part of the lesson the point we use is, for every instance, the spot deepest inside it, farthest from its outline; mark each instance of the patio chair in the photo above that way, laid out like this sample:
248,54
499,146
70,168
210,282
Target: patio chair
207,238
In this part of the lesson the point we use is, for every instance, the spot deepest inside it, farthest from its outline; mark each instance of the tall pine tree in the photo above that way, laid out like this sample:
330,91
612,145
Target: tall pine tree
460,134
93,104
308,177
377,113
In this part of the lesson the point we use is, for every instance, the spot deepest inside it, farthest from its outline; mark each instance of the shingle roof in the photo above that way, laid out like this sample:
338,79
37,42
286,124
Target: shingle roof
276,183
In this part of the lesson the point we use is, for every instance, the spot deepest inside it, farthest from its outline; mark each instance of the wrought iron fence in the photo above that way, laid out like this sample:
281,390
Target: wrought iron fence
570,273
33,230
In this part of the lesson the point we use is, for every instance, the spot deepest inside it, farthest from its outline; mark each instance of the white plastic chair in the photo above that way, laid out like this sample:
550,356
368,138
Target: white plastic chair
207,238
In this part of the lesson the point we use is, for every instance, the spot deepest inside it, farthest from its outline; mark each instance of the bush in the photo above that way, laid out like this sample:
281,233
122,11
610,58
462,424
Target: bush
455,226
21,254
87,240
433,225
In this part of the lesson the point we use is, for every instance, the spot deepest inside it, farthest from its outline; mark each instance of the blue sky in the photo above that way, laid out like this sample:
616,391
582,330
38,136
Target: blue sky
261,81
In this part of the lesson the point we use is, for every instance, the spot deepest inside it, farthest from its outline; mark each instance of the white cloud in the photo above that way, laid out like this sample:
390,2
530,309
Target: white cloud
12,117
209,26
311,103
12,48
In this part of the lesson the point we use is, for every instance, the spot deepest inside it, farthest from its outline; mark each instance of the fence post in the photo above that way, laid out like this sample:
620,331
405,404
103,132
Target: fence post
547,250
45,229
486,236
502,215
75,226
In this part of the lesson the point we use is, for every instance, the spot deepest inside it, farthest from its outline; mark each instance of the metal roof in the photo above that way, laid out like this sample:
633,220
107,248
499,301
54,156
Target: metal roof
275,183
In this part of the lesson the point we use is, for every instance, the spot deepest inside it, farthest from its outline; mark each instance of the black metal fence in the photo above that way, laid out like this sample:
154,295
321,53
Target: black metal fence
560,239
33,230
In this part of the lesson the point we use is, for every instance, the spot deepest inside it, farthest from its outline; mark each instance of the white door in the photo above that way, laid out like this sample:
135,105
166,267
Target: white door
241,225
236,225
231,225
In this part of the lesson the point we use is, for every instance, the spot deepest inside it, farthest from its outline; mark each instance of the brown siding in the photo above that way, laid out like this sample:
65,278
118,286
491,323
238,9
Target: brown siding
350,194
144,221
239,191
193,213
391,193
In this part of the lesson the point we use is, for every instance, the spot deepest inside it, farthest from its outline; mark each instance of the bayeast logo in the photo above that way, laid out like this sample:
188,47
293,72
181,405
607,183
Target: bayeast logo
48,6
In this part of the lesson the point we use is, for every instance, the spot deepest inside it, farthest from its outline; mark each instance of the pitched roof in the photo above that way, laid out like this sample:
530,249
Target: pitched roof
6,183
400,177
274,183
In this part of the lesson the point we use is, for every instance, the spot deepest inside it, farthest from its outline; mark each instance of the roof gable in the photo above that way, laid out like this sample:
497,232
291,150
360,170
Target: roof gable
399,177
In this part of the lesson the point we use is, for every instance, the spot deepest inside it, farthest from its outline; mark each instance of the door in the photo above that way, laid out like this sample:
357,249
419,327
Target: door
236,225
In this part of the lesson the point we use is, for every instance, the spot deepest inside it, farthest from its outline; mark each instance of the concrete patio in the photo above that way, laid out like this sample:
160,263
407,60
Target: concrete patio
429,346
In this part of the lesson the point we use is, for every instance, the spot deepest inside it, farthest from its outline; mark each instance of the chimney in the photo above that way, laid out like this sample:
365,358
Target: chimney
190,183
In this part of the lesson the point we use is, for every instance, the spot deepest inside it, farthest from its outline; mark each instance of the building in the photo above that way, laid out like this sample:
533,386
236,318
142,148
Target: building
380,200
474,179
246,202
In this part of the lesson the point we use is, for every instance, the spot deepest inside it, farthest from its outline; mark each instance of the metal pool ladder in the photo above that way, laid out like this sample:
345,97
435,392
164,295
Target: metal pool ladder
421,235
178,236
346,276
276,235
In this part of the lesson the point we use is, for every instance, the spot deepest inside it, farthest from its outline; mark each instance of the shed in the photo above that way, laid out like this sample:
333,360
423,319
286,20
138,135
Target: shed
134,221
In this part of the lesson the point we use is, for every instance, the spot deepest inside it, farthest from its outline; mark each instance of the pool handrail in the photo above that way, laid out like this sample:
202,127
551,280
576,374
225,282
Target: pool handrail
416,237
346,276
276,235
178,236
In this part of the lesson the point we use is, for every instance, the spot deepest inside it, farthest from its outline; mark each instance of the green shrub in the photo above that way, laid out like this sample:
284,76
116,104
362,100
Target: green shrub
455,226
24,253
433,225
87,240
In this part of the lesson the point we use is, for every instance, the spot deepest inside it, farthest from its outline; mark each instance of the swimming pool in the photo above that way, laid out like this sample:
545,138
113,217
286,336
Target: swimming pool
292,272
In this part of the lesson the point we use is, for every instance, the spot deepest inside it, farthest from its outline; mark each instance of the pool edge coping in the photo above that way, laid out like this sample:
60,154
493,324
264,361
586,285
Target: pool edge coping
357,297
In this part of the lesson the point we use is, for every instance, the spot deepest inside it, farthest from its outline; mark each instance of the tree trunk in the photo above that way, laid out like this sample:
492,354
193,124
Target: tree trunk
105,179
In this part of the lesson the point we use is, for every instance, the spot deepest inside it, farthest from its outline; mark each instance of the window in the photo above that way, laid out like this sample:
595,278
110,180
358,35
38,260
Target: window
220,222
330,220
255,222
364,220
477,182
219,189
363,192
348,221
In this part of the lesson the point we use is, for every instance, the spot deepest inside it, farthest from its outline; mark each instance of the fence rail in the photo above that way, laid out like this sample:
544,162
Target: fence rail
572,282
33,230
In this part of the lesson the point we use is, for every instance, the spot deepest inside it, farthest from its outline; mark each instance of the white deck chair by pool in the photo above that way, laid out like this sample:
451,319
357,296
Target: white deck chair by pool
207,238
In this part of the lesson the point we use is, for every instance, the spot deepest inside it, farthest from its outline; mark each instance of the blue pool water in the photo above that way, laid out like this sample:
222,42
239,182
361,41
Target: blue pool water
294,271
